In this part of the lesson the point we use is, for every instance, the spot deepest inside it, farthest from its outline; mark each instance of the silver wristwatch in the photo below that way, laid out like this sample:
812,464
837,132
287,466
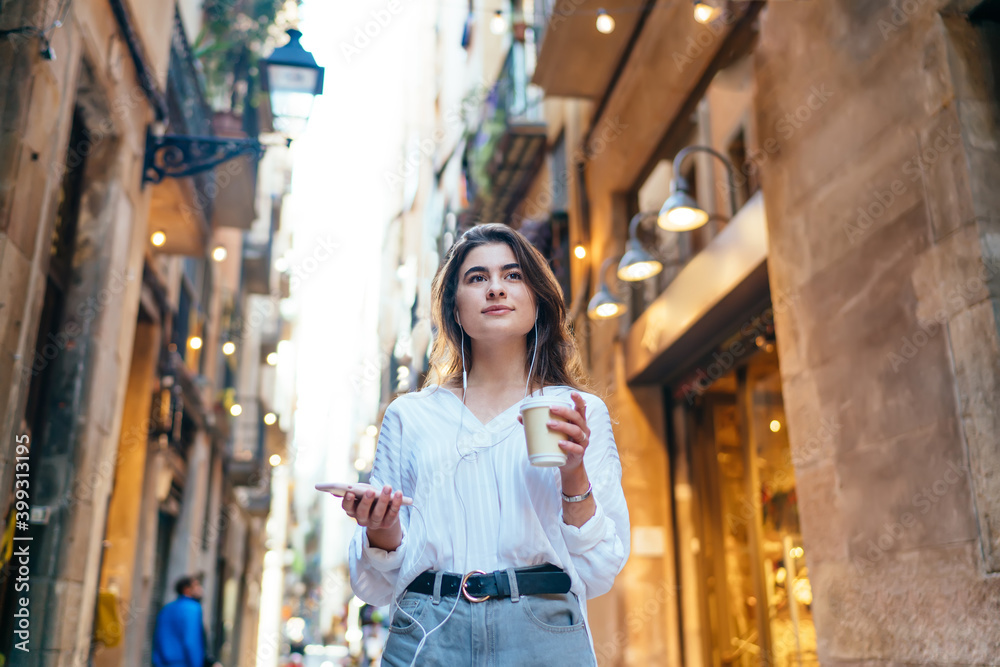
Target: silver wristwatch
580,498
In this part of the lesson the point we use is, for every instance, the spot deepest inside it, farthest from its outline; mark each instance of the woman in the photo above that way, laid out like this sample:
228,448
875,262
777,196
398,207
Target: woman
543,540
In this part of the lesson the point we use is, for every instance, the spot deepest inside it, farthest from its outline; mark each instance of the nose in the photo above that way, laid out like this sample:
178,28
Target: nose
496,289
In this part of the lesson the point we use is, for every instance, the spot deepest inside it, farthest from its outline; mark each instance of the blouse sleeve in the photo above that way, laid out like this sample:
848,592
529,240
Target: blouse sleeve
600,547
374,571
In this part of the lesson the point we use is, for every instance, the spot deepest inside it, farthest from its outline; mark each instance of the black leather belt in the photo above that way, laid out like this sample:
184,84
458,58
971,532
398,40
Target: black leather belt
477,585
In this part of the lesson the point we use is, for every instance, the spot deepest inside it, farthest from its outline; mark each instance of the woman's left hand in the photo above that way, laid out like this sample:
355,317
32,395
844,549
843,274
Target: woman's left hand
576,430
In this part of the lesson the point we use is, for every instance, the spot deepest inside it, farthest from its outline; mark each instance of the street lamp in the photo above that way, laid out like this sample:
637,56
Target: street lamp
636,263
681,213
291,79
604,305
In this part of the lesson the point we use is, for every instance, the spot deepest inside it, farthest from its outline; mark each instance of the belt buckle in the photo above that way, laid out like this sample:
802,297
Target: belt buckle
465,592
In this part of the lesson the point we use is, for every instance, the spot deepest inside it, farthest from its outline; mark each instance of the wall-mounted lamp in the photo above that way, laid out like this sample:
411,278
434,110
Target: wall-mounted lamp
681,213
636,263
604,305
290,77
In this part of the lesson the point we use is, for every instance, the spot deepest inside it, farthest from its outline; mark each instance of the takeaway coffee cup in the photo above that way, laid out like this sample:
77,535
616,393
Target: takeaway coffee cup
543,442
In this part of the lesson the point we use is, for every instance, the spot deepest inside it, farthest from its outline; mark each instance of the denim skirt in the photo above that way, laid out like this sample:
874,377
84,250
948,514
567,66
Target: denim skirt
543,630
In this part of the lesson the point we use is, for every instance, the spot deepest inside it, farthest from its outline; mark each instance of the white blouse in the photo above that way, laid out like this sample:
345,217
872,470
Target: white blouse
480,505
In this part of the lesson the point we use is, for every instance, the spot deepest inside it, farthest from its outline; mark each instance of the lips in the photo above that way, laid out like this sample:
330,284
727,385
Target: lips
498,309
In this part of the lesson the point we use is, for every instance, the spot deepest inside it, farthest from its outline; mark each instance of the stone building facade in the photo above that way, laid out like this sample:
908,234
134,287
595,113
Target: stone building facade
814,387
111,357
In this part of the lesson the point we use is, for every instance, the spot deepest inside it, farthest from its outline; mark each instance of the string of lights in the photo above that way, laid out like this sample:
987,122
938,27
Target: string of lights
705,12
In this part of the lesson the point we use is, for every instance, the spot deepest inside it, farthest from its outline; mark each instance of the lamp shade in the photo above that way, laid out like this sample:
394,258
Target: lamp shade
637,264
681,213
604,306
292,80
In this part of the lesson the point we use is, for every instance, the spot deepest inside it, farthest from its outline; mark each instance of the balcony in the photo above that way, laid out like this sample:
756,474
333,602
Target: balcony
506,150
574,59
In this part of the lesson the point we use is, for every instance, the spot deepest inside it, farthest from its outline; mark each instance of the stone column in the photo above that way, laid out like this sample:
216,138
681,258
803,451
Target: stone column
878,205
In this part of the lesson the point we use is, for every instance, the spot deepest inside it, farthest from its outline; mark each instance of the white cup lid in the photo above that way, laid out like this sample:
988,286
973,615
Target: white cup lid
544,401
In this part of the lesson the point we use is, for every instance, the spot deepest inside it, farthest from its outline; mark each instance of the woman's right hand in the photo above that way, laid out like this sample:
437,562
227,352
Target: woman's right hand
379,514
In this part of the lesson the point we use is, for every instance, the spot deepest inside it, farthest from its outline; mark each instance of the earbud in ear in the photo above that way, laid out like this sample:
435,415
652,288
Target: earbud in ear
457,319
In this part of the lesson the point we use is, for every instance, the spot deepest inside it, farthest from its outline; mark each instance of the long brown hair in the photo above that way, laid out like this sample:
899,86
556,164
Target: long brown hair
558,360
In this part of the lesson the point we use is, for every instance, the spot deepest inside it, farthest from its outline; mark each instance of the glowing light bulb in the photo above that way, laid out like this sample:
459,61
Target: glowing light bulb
270,418
228,348
275,460
236,410
580,252
705,13
775,426
195,342
158,239
497,23
220,253
272,359
605,24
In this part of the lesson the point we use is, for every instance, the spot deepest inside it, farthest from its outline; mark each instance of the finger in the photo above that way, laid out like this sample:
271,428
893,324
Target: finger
394,506
349,504
581,405
572,430
364,509
381,505
571,448
572,415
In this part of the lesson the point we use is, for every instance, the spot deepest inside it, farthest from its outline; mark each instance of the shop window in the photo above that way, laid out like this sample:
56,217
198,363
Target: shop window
751,565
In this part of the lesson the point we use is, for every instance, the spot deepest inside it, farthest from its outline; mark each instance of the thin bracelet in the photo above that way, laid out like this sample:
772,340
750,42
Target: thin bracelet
581,497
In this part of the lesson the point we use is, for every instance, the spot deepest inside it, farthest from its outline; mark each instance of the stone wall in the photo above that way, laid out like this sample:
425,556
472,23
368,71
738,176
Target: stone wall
883,233
92,71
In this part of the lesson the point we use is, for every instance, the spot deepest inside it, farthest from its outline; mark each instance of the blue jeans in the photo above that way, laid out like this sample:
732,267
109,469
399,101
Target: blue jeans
525,630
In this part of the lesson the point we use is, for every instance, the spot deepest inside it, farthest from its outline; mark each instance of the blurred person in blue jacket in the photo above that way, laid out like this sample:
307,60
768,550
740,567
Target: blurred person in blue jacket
179,639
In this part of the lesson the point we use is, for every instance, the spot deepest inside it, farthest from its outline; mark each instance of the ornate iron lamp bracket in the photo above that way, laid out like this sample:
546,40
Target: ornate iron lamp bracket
175,156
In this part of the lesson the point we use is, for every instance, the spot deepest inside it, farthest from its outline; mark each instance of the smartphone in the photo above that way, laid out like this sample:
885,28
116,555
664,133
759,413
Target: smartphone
357,488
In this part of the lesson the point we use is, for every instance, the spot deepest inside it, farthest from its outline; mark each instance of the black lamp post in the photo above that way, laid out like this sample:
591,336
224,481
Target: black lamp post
291,78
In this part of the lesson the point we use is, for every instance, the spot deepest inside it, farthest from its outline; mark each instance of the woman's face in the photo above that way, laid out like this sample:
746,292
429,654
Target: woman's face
492,300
